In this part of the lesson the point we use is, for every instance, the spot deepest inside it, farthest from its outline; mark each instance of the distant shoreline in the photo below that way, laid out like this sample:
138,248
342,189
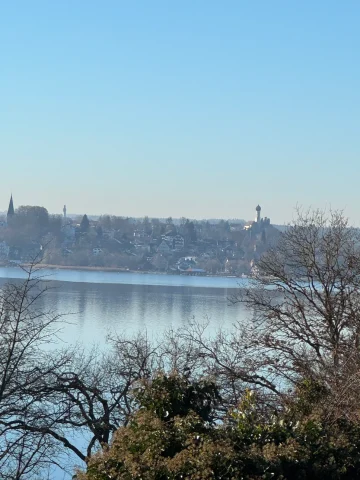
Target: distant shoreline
112,269
86,268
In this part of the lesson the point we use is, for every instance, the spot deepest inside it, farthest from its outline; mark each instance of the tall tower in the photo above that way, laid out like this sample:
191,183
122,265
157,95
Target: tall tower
64,212
11,211
258,214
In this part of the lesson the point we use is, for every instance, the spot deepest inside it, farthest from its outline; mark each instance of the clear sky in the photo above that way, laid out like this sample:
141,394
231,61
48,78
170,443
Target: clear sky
197,108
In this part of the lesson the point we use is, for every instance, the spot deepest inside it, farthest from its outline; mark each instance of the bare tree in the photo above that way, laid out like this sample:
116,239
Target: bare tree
92,395
304,320
305,300
25,334
222,356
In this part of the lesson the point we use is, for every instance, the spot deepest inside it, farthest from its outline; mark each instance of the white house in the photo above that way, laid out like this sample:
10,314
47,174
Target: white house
141,234
179,243
169,239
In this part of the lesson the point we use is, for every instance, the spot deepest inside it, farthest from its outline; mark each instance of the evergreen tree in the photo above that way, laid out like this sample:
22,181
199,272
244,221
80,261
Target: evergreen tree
84,225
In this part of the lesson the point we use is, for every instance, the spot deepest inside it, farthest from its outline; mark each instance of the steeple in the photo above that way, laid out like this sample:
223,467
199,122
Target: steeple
11,211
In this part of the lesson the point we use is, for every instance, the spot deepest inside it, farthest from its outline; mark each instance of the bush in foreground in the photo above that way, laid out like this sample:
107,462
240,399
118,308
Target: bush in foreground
172,436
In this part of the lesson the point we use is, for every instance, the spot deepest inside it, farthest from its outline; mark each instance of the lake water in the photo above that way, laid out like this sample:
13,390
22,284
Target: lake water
98,303
101,302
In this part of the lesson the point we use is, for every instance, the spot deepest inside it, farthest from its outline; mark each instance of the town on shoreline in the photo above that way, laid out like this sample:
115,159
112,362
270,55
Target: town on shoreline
148,245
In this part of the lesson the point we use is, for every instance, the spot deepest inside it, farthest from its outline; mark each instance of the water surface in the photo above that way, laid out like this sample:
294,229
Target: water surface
96,303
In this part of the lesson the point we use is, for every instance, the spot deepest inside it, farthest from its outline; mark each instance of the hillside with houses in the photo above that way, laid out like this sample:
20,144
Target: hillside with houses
190,247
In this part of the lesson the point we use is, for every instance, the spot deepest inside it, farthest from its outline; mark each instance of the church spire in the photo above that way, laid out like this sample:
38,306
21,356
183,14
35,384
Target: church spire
11,211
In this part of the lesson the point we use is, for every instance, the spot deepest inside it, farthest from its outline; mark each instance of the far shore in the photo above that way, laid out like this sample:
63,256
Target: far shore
110,269
86,268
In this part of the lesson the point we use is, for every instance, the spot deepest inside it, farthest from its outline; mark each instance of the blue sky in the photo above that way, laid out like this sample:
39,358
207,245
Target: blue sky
192,108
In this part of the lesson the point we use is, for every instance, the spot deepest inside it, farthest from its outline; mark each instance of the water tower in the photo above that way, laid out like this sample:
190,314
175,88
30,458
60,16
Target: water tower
258,214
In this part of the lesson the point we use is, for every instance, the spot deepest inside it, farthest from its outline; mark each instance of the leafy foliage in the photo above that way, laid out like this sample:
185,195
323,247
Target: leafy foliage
299,443
170,396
